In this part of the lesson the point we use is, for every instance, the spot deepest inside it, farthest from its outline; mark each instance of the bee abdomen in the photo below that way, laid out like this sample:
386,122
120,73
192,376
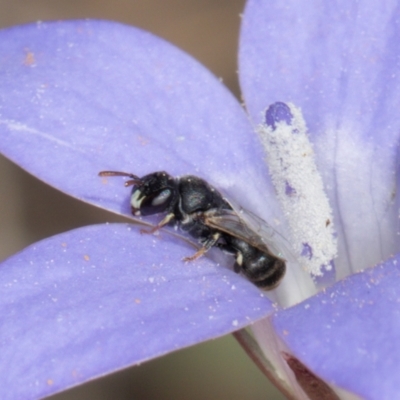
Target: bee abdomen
263,270
271,276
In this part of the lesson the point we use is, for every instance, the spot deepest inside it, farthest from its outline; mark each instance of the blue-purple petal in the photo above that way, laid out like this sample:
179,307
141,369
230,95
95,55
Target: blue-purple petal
78,97
348,335
100,298
339,62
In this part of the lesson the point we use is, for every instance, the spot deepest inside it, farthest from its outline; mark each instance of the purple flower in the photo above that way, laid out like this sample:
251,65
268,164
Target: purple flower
84,96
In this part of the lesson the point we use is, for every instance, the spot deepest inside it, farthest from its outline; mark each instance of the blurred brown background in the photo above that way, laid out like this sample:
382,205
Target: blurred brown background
30,211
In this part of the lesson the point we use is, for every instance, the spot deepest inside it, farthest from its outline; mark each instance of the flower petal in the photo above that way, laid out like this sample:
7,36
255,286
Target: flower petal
349,334
75,307
79,97
338,61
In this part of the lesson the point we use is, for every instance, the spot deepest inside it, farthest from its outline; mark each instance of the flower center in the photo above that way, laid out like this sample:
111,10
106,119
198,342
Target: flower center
299,187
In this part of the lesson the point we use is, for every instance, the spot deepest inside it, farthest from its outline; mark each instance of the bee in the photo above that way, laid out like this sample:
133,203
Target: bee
200,210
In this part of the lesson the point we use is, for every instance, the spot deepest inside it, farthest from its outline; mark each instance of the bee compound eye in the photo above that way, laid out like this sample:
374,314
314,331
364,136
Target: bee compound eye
161,198
155,203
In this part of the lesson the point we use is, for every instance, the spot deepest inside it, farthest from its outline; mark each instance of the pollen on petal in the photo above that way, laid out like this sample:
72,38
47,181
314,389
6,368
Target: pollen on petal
299,186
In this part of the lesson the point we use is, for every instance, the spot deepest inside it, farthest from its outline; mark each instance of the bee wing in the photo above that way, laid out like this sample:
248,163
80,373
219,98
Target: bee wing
277,243
229,222
247,226
255,231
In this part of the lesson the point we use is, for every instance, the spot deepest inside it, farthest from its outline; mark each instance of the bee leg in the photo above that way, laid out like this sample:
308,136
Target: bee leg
168,218
210,242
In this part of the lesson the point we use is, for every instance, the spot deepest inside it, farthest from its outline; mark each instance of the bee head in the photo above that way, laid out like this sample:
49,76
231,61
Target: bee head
153,193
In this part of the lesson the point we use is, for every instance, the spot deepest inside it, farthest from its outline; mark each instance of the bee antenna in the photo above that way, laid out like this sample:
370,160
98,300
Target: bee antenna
134,181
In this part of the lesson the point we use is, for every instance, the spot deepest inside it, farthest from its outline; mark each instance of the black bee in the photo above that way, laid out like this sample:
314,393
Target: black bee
200,210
